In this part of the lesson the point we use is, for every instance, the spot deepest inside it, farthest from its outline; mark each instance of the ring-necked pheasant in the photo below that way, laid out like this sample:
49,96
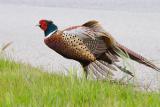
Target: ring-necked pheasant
91,45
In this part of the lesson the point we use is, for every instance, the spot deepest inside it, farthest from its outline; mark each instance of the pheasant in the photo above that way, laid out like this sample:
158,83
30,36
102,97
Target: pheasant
92,46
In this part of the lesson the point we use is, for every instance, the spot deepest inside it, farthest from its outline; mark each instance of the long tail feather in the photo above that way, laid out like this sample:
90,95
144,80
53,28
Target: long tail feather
138,57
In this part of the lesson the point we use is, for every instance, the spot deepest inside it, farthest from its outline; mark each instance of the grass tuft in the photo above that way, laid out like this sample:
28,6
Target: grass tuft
23,85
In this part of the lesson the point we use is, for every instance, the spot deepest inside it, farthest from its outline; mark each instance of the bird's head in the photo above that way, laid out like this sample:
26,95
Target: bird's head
48,27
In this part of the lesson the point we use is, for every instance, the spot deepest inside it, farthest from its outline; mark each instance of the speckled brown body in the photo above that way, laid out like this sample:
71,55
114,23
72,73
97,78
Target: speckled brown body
69,46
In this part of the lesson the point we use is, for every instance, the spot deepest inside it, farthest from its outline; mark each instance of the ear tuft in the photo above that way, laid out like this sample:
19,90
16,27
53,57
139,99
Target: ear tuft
49,21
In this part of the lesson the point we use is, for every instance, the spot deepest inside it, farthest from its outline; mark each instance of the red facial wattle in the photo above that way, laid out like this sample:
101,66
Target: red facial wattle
43,25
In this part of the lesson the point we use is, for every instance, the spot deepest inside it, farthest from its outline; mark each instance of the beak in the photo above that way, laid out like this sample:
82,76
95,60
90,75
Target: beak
37,25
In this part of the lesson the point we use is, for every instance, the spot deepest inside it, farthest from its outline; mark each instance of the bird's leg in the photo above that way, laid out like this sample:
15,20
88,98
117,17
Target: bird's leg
86,73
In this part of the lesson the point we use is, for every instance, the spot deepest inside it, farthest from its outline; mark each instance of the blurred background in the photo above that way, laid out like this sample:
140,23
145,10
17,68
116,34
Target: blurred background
134,23
141,5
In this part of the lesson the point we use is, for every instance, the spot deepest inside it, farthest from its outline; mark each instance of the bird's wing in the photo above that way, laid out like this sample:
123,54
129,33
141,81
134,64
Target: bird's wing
98,41
100,32
81,31
93,40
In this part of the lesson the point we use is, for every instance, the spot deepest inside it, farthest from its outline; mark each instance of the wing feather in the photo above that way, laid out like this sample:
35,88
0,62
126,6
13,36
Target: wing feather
95,43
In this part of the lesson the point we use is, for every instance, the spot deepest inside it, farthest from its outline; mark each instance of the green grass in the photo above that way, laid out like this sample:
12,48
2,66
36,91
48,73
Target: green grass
24,86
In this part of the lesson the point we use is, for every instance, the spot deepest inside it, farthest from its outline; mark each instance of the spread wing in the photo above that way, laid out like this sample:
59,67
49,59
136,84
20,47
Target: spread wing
92,39
97,40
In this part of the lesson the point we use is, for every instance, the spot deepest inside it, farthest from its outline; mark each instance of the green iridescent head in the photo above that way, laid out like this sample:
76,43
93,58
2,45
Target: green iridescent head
47,26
